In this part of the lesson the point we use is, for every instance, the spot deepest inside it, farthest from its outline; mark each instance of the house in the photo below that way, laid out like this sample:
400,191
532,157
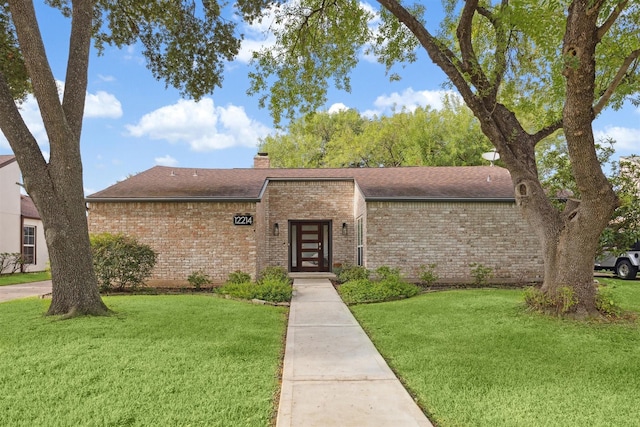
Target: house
313,220
21,229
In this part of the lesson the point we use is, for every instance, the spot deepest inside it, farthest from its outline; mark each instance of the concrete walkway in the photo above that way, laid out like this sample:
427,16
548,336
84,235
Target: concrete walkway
33,289
333,375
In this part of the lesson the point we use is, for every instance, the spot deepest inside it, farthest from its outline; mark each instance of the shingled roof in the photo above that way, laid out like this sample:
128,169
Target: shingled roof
5,159
162,183
28,208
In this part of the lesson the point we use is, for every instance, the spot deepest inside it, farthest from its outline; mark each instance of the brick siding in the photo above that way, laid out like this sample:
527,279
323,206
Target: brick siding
452,236
186,236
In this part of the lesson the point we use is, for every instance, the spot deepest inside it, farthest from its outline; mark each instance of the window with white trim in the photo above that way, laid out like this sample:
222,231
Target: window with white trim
29,244
359,242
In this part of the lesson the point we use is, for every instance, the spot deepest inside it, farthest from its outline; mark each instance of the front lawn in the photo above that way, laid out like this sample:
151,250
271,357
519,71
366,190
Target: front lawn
158,361
476,358
17,278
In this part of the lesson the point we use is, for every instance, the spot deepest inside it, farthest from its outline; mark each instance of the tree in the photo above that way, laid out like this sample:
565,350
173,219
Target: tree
450,136
173,34
558,62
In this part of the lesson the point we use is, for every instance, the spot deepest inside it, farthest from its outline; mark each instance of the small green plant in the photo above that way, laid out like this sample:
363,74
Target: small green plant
364,290
121,261
559,304
273,287
275,272
480,273
605,303
238,277
387,273
428,275
198,279
347,273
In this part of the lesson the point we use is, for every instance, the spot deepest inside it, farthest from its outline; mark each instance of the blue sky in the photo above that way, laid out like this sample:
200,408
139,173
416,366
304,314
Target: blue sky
132,122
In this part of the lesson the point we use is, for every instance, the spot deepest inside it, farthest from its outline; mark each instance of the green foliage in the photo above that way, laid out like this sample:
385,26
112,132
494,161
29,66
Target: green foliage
450,136
557,304
480,273
12,65
121,261
10,262
273,286
428,275
606,303
385,272
199,278
238,277
351,272
388,286
275,272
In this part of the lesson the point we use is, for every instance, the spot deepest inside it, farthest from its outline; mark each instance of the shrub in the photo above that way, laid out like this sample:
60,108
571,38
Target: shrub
239,277
428,275
121,261
605,303
10,262
270,288
365,290
387,273
543,302
276,273
480,273
199,278
274,290
347,273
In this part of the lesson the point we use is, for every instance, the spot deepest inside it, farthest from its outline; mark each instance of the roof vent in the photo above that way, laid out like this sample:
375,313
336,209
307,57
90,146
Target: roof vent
173,173
195,172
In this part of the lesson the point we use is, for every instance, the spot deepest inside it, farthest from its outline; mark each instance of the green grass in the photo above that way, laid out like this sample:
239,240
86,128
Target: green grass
17,278
477,358
159,361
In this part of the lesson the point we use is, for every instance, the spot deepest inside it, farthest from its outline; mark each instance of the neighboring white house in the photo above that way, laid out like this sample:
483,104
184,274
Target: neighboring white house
21,229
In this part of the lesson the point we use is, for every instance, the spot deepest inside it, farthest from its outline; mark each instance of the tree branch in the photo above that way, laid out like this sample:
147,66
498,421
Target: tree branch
501,48
75,90
546,131
611,19
38,68
439,54
470,62
608,93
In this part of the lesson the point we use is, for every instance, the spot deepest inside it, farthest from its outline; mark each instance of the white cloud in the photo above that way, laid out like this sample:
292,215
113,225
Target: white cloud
627,139
166,161
258,35
99,105
410,100
202,125
106,78
337,107
102,104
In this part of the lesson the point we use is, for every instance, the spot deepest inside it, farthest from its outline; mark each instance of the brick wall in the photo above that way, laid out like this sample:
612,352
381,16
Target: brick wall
186,236
452,235
309,200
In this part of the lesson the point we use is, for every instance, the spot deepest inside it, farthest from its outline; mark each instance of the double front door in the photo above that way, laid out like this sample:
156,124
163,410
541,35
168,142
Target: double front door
310,246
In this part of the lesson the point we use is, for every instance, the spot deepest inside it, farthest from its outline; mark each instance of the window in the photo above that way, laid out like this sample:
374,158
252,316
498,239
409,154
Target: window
29,244
359,241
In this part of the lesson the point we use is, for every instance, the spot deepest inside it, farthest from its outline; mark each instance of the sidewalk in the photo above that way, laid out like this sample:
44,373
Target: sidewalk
333,375
33,289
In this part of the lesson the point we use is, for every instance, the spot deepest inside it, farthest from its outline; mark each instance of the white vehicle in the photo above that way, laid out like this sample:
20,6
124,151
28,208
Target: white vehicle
625,265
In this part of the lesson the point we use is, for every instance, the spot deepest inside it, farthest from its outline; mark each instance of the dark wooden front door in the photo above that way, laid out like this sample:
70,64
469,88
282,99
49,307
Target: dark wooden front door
310,245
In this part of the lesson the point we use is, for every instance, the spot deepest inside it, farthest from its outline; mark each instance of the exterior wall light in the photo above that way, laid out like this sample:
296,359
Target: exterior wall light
276,229
344,228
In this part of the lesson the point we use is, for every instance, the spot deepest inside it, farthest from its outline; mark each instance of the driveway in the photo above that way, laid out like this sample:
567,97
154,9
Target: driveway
34,289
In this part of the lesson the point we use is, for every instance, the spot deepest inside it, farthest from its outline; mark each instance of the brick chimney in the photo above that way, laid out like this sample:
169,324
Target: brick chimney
261,161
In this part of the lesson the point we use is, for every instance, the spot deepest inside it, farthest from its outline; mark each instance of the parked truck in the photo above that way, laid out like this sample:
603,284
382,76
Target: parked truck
624,265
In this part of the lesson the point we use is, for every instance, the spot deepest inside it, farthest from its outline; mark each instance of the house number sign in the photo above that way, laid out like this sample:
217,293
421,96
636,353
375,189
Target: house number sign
245,219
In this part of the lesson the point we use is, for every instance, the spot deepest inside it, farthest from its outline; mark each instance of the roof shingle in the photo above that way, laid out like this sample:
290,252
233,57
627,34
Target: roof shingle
419,183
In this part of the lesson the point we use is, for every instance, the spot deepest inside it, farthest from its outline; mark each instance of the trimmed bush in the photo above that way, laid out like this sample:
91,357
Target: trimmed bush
199,278
366,291
275,273
121,261
273,286
347,273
